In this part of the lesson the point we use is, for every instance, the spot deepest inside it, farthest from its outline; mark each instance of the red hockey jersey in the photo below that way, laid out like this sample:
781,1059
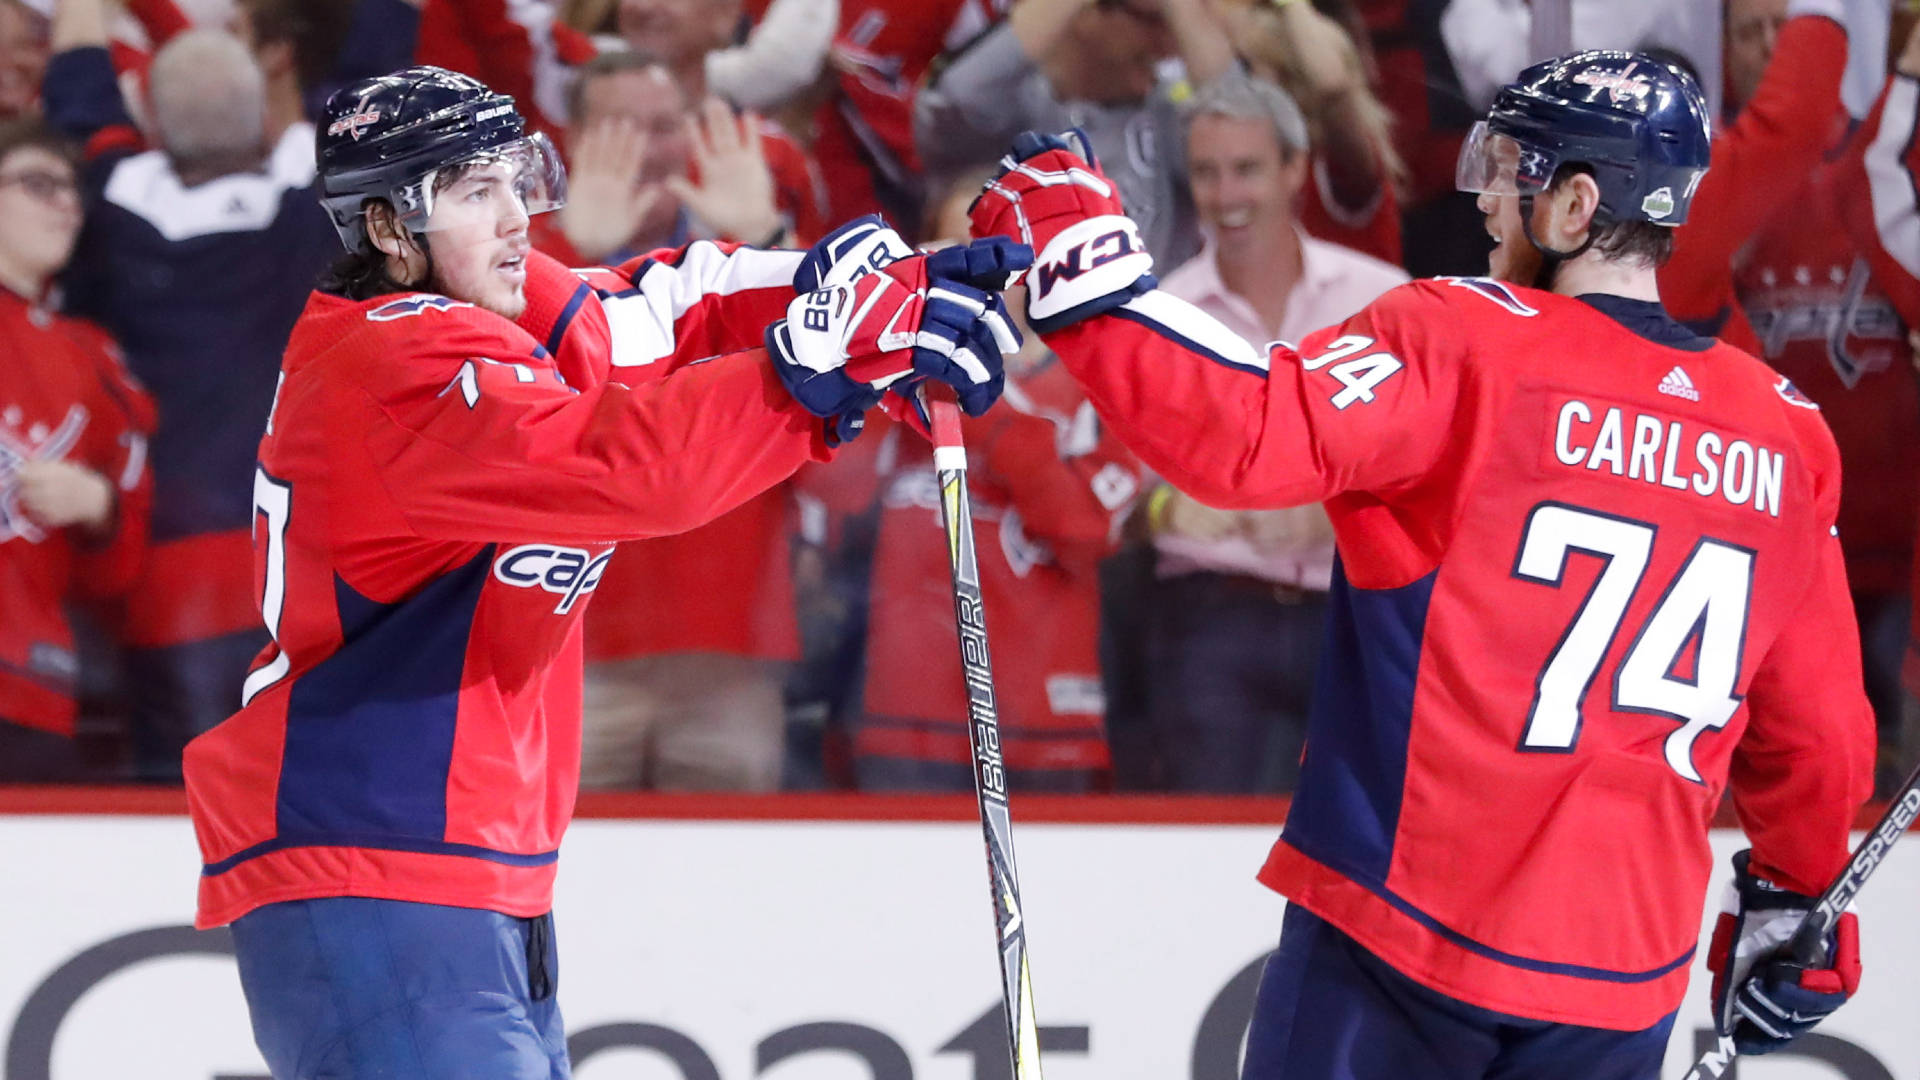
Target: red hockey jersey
1578,595
1818,282
1758,164
65,397
1049,488
438,496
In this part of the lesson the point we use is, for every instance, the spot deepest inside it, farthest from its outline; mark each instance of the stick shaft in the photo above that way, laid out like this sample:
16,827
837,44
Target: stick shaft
983,734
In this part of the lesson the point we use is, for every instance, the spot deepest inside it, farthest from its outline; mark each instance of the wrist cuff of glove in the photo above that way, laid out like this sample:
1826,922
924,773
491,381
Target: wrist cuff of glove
826,394
1090,267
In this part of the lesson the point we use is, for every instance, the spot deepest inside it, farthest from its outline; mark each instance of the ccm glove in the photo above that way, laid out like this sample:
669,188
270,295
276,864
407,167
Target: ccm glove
1762,996
1051,196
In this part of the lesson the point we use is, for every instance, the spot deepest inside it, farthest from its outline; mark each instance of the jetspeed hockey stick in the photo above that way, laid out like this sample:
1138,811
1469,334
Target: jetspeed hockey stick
1808,946
983,732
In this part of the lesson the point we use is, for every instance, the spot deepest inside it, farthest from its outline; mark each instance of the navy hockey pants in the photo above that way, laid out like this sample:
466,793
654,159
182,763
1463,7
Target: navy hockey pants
1330,1010
357,989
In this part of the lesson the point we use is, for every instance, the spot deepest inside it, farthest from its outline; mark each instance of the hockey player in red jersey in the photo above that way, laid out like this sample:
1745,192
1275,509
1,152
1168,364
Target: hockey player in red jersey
438,494
1587,582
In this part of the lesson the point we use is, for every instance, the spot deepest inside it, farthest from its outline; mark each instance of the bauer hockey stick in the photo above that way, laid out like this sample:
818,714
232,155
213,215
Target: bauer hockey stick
1808,945
983,732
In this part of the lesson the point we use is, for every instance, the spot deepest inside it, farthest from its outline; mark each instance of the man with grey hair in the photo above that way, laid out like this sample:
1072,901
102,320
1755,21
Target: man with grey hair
1236,613
209,105
198,256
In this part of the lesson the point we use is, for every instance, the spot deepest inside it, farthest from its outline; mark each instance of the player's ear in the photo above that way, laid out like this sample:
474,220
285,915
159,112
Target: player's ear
1577,199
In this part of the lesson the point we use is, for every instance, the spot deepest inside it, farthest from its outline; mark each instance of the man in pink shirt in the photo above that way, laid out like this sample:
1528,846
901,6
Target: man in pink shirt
1235,622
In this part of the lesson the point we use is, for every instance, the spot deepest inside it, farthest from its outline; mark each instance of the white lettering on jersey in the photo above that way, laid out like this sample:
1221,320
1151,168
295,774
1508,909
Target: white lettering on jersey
568,572
1736,470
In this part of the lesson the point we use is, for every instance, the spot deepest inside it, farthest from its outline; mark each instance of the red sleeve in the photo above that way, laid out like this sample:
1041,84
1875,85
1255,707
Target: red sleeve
1756,164
463,442
1805,763
518,47
161,19
1365,406
657,312
110,568
1884,151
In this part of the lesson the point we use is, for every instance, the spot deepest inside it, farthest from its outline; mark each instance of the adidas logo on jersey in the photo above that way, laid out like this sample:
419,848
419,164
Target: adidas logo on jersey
1677,384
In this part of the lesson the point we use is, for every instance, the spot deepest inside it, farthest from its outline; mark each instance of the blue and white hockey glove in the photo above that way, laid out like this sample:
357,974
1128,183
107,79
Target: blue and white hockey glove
842,346
849,252
1051,195
1761,997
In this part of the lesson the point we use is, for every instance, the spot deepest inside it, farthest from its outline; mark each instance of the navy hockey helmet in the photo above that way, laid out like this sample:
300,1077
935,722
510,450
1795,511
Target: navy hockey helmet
389,137
1639,124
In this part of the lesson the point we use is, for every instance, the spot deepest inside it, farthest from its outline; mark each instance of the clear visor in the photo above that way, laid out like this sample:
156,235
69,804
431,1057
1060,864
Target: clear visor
1496,164
486,191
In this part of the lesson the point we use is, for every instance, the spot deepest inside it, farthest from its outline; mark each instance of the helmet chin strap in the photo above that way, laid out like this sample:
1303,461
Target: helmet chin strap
1550,258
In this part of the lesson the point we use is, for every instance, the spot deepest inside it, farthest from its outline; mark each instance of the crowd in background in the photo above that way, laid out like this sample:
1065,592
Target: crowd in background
1287,162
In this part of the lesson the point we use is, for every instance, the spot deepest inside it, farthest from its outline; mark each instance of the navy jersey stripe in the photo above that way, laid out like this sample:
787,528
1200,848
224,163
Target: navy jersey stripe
370,730
1347,807
565,320
1577,971
378,843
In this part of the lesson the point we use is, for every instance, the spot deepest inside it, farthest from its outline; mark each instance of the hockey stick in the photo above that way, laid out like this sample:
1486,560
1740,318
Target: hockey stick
1808,945
983,732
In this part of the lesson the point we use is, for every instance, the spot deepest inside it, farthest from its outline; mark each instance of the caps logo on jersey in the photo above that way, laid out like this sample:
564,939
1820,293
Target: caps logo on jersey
1677,384
567,572
354,123
1791,394
414,305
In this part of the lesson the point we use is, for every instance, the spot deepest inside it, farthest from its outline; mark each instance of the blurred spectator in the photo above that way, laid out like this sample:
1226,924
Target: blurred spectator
23,57
1795,251
1091,64
782,57
688,645
1236,620
197,256
863,138
1784,118
1049,487
74,486
523,50
297,43
632,151
1350,198
1418,80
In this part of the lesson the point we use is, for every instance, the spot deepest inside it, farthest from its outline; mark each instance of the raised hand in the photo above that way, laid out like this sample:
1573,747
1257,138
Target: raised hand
735,194
606,201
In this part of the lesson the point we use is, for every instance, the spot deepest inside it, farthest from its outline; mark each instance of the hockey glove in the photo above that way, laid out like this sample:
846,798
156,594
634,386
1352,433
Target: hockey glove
1761,996
1051,195
850,252
841,347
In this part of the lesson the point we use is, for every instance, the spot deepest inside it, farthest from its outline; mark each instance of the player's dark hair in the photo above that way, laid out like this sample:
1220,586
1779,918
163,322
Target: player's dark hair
1624,241
362,274
30,130
316,29
610,62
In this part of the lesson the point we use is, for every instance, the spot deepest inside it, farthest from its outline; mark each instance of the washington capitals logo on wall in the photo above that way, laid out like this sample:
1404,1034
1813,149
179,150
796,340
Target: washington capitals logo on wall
360,119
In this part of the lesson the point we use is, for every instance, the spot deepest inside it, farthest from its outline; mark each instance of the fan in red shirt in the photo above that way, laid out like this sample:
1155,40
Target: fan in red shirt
438,494
1588,583
74,485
